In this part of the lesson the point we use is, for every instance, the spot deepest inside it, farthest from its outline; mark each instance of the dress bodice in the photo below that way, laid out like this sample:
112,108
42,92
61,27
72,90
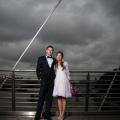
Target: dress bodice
60,70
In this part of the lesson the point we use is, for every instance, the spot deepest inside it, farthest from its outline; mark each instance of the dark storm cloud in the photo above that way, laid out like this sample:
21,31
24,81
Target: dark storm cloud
86,9
106,52
112,7
76,28
20,20
21,23
87,31
78,31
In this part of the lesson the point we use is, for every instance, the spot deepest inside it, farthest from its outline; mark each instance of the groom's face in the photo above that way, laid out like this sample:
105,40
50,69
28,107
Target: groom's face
49,51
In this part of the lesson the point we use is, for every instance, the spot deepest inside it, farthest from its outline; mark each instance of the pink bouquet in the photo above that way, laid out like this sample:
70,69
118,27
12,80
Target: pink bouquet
74,91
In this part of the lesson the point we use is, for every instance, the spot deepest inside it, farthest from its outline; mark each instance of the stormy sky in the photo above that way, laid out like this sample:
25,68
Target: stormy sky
86,31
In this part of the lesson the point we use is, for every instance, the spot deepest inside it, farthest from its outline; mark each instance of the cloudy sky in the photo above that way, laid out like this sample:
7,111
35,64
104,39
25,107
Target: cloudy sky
87,31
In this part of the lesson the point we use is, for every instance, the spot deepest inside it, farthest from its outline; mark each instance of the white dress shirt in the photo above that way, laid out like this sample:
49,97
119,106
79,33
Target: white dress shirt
50,61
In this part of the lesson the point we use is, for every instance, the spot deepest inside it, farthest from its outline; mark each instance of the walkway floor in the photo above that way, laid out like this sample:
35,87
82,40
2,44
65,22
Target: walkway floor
110,117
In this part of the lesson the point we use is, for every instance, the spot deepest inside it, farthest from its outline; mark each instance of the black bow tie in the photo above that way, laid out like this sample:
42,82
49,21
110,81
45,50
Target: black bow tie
49,56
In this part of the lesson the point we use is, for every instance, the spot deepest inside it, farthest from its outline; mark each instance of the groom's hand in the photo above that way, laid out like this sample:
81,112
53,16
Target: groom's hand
63,60
39,81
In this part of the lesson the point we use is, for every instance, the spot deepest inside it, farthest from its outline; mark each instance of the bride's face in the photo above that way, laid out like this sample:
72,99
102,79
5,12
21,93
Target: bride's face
59,57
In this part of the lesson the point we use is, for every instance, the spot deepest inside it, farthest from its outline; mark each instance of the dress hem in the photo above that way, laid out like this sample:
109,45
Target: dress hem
62,96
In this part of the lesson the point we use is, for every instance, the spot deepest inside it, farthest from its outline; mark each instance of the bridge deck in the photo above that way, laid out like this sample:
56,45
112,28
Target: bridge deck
98,117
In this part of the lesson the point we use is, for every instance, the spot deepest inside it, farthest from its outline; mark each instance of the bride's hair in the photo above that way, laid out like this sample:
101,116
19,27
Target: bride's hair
61,63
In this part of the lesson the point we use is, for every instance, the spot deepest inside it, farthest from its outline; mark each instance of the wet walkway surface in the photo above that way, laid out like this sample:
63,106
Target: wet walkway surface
99,117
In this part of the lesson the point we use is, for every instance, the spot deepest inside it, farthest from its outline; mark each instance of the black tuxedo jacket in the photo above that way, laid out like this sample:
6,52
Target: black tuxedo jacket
43,71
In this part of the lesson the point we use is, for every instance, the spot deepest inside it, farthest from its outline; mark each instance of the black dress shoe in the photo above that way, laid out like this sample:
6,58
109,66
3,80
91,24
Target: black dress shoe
37,119
39,81
47,117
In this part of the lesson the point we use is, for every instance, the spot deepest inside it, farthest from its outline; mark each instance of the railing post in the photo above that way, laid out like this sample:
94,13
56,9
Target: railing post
13,91
87,92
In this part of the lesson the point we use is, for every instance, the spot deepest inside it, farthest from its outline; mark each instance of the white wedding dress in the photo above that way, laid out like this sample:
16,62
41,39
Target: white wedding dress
61,82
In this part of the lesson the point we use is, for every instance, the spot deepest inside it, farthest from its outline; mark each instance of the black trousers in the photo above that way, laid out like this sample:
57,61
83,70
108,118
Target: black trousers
46,87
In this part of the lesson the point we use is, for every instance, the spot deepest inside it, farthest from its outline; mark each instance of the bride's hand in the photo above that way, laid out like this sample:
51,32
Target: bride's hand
71,86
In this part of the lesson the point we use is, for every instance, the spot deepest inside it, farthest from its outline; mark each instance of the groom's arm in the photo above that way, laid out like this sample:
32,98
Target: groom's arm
38,68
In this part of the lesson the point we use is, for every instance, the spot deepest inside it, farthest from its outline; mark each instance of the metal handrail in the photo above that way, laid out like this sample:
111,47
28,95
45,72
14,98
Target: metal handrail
73,71
17,78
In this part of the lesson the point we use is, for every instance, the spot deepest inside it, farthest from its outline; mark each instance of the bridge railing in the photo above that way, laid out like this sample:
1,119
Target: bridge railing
99,92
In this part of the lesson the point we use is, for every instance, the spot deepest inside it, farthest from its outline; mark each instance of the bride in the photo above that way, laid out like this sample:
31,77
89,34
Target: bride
62,83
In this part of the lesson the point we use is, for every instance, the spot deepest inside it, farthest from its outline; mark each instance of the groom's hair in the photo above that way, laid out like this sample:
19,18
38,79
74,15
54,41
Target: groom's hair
50,47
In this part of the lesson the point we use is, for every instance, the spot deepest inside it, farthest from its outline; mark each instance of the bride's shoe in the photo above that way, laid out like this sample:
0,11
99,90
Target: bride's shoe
59,118
63,117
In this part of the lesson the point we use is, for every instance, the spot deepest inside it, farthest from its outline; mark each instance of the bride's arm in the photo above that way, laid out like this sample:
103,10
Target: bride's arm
68,73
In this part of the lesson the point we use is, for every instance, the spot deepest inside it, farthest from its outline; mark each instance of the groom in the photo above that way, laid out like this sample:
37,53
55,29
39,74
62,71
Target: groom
46,75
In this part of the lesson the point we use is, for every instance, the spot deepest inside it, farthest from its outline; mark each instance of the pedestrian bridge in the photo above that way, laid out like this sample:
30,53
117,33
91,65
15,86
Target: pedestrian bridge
98,96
